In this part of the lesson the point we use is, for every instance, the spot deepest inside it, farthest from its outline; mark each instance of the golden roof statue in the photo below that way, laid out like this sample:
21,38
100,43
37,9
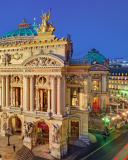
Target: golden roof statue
45,26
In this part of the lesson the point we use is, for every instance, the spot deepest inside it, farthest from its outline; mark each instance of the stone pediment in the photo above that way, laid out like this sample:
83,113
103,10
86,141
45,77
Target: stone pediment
98,67
43,60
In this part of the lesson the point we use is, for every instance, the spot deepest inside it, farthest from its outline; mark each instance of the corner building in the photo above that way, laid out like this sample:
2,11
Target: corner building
44,94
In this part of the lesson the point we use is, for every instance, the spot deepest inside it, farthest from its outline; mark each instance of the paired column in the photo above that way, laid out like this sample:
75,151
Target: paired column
21,97
48,100
3,91
0,95
12,96
104,82
90,83
32,93
53,95
26,95
63,95
37,98
85,92
59,95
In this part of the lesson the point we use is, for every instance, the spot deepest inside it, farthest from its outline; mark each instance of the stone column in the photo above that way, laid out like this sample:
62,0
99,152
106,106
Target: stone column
21,97
11,96
59,95
42,97
85,92
68,96
89,83
7,91
103,82
53,95
16,96
3,91
0,95
26,93
63,95
32,93
48,101
37,98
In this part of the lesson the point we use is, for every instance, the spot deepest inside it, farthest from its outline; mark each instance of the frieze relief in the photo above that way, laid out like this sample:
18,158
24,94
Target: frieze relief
42,61
56,133
4,116
17,56
75,79
98,67
96,76
29,129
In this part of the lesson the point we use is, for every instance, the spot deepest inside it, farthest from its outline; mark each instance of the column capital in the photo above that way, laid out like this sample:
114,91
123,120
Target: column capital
3,76
7,76
53,76
37,89
26,76
31,76
59,76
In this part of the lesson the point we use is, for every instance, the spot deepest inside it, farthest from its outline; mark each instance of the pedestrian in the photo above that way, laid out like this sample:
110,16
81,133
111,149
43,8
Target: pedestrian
22,138
14,147
104,138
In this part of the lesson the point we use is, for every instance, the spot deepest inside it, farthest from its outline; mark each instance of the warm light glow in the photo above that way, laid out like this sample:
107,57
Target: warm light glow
123,114
113,118
118,116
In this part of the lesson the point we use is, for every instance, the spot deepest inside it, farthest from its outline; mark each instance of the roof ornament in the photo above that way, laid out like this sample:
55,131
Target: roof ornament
45,26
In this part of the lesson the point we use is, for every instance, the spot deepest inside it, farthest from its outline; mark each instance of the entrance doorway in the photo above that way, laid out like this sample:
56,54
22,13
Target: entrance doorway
15,125
75,129
96,103
43,133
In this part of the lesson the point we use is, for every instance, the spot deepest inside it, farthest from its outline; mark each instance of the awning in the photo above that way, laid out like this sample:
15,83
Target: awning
43,125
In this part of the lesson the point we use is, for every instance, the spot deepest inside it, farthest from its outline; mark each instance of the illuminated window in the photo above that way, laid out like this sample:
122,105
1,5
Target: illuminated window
126,74
119,74
95,85
75,96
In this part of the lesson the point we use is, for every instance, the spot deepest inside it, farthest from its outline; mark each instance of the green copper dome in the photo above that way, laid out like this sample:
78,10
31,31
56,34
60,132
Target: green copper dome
95,55
21,32
23,29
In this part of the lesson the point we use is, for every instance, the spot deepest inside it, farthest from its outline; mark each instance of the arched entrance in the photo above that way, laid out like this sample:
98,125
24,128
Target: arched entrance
96,103
15,125
42,133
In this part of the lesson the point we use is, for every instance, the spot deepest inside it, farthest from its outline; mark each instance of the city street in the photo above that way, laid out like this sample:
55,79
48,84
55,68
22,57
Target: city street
108,150
99,150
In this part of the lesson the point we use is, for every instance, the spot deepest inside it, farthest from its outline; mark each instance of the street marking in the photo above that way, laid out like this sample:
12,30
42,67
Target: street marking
116,157
100,147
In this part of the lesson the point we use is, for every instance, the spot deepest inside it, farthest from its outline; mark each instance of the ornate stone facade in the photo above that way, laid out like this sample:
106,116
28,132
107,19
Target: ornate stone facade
43,94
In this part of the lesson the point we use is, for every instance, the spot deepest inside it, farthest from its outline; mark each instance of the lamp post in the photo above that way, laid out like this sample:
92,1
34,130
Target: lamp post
106,120
8,134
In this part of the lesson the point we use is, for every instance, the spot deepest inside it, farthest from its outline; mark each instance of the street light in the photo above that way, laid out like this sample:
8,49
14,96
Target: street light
106,120
8,134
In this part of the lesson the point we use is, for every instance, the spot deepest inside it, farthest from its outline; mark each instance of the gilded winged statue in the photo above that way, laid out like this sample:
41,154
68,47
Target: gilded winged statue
45,18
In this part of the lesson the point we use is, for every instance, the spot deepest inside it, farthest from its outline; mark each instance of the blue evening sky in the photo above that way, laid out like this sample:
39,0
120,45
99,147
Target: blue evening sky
100,24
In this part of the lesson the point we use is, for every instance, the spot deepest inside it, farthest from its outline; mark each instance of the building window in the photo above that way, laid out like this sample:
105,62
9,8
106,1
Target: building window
95,85
75,96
